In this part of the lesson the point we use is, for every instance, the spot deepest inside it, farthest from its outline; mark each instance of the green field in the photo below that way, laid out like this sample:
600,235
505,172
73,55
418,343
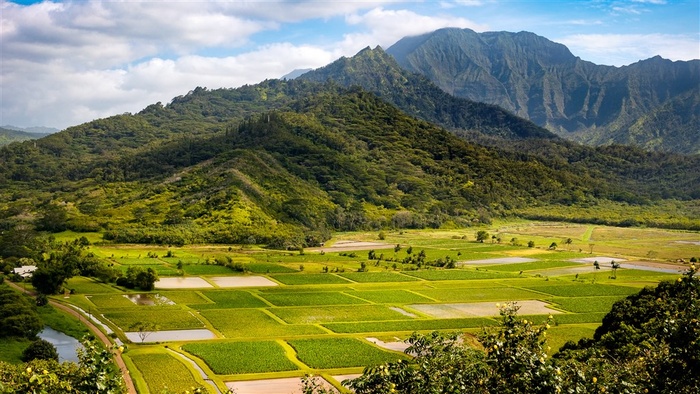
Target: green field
164,371
340,352
317,318
228,358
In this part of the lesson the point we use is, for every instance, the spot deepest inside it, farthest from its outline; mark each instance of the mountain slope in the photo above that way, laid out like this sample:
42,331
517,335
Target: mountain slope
286,162
377,72
8,136
542,81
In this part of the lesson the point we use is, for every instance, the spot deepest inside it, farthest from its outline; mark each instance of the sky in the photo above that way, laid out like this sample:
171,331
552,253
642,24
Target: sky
64,63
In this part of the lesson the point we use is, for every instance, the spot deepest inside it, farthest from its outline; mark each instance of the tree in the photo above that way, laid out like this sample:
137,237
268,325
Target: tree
614,266
143,329
568,243
18,315
530,244
40,350
146,280
553,246
481,236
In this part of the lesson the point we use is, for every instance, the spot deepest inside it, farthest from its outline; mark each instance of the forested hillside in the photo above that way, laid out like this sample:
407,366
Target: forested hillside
286,162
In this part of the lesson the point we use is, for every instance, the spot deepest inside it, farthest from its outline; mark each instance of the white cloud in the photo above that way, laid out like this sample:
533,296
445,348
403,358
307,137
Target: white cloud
385,27
623,49
57,95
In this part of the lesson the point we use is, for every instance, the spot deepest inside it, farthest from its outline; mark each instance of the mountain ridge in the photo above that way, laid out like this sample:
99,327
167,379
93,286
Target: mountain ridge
543,81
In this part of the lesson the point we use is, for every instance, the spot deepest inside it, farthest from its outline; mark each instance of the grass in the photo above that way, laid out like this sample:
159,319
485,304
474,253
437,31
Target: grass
63,322
165,318
577,289
11,349
111,301
225,299
373,277
315,314
458,274
309,279
536,265
394,296
228,358
83,285
205,269
267,268
185,297
586,304
479,294
253,323
340,353
163,371
315,298
409,325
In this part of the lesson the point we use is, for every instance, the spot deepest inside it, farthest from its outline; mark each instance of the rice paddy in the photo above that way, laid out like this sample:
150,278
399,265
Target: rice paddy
296,313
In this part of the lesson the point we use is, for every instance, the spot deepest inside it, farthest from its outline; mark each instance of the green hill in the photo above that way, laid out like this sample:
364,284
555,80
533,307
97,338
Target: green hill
286,162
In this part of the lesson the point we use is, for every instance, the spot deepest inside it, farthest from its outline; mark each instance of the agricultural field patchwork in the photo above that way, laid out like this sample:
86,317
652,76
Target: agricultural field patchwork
316,309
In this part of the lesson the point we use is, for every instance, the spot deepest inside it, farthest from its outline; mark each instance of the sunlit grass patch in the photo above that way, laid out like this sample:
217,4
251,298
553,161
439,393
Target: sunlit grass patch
392,296
340,352
253,323
83,285
164,318
587,304
409,325
316,314
184,297
457,274
367,277
227,358
311,298
577,289
111,301
536,265
225,299
163,371
267,268
206,269
309,279
479,294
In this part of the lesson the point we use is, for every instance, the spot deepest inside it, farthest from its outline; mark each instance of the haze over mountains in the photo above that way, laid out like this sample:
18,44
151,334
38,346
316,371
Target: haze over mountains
654,103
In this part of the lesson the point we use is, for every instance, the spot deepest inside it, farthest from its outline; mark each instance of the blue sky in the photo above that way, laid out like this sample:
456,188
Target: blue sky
68,62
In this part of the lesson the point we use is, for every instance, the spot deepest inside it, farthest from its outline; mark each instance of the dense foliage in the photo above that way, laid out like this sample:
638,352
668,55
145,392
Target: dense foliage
284,163
18,315
40,349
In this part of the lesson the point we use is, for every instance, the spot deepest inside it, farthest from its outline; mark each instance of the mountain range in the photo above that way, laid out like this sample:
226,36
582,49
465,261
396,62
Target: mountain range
359,144
654,103
10,134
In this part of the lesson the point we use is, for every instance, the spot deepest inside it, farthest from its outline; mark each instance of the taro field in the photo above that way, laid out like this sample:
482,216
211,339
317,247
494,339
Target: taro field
331,311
